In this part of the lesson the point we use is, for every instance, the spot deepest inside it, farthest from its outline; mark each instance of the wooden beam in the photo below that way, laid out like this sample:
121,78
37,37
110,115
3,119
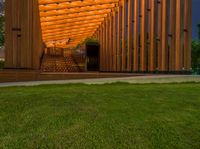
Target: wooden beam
83,9
51,5
78,15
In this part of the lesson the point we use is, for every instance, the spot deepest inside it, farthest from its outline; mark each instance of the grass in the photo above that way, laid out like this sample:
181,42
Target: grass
151,116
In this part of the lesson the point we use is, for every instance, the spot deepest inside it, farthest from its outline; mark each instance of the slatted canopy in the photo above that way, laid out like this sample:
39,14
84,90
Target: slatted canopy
66,23
134,35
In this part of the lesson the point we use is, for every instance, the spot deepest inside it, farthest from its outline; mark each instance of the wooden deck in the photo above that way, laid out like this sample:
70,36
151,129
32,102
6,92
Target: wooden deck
24,75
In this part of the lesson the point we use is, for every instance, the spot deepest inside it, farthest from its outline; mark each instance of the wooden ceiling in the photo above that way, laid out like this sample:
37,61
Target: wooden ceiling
66,23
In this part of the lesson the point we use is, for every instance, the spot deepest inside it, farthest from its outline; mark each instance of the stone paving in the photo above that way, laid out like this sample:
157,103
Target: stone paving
132,80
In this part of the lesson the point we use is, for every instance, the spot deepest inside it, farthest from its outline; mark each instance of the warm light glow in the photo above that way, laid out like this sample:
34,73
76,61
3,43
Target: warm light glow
62,20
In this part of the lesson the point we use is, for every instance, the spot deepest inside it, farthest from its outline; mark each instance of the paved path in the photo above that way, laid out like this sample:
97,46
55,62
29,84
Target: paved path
133,80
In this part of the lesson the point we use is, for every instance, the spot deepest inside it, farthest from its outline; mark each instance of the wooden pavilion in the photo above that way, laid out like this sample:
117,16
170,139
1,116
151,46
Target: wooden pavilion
133,35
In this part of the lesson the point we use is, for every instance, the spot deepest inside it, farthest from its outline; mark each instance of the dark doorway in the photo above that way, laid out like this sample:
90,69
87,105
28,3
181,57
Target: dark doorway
92,57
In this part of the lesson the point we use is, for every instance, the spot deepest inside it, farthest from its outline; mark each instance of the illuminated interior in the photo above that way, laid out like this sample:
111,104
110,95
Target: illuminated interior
66,23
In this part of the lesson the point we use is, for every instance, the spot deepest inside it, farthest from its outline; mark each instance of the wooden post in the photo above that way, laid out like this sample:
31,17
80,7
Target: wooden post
143,51
187,34
124,54
152,36
104,45
178,53
130,37
101,48
159,23
111,43
164,36
136,22
172,18
119,33
107,45
114,41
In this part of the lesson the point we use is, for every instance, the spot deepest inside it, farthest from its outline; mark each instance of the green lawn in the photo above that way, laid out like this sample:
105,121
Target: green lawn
163,116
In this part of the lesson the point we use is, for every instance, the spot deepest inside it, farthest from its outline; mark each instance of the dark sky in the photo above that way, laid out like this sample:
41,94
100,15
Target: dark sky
196,17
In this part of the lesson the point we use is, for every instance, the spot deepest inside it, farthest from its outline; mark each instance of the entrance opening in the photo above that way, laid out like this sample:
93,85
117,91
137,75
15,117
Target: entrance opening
93,57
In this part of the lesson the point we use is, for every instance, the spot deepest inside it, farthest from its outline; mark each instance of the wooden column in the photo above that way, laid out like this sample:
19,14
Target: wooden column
164,36
114,41
152,36
111,42
104,45
159,23
130,36
135,38
124,52
178,51
107,45
187,34
37,37
143,51
172,18
101,47
119,47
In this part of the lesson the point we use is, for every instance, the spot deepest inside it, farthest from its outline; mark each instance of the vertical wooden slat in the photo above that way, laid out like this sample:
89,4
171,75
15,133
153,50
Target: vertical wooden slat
152,36
119,28
187,34
8,35
178,51
37,37
16,17
111,43
25,24
164,36
143,36
159,23
104,45
135,38
114,41
107,45
100,48
124,35
172,35
130,37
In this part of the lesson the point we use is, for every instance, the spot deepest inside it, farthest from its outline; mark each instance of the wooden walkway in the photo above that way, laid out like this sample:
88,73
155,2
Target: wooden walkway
22,75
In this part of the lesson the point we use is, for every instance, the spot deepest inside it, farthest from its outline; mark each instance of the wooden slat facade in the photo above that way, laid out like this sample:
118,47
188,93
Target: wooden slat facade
134,35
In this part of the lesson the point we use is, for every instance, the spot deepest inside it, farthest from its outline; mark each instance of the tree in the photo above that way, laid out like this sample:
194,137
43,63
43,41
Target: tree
196,52
199,30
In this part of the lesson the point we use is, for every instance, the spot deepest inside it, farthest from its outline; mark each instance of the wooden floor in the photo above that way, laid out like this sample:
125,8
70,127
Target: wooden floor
24,75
